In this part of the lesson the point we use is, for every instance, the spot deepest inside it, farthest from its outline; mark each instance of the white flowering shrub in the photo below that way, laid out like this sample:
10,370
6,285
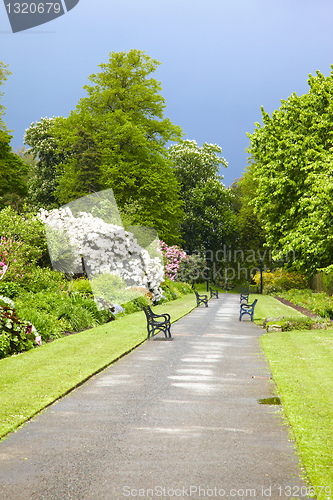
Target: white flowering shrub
115,263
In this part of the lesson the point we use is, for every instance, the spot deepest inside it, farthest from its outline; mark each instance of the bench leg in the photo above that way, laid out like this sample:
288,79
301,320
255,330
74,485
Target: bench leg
167,332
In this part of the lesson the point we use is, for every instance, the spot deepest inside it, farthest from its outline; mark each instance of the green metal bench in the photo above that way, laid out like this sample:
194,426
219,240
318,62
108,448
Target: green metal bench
157,323
201,299
247,309
213,293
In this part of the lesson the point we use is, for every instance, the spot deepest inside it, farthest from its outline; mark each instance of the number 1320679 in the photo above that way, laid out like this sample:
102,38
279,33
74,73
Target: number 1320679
34,8
297,491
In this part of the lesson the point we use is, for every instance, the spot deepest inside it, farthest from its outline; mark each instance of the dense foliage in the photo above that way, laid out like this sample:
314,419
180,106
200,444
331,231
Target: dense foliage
193,269
250,233
43,180
291,166
12,170
279,280
209,221
173,290
116,138
16,335
318,303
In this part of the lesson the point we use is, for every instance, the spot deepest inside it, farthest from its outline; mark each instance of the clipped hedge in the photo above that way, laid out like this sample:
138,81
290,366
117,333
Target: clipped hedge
286,324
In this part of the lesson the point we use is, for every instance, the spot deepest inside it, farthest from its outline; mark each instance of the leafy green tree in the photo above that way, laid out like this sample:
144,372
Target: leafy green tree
12,170
123,114
248,250
4,72
81,173
292,164
250,233
209,221
28,231
43,180
194,165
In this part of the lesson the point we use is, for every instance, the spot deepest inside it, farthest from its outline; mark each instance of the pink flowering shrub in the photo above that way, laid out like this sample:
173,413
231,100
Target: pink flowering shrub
173,256
12,262
4,259
16,335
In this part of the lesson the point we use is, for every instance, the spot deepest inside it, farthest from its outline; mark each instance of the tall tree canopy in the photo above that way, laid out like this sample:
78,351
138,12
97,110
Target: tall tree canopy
81,174
4,72
209,221
12,169
43,180
122,117
291,162
250,233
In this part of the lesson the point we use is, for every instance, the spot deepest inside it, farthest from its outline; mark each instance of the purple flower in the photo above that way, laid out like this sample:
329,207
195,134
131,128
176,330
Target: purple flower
118,309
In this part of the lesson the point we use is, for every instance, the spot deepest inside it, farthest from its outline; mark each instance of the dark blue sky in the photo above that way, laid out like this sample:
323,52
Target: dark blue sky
221,60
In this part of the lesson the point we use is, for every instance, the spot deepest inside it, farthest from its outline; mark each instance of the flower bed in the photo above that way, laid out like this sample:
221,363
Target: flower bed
16,335
318,303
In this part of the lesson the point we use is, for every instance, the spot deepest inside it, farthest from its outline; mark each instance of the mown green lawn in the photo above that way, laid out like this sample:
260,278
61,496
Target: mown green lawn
301,364
32,380
268,307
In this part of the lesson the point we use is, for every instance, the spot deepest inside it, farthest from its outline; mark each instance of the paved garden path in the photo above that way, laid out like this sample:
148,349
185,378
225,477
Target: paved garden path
176,419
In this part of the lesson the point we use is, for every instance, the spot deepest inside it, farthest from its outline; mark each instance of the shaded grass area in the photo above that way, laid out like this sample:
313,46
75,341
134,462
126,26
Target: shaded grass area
301,364
32,380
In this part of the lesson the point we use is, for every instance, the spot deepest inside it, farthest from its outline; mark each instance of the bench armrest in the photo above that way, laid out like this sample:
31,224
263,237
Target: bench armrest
166,315
248,306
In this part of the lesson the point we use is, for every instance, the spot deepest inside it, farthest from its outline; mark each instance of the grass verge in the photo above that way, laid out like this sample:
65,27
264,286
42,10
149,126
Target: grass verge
268,307
32,380
301,364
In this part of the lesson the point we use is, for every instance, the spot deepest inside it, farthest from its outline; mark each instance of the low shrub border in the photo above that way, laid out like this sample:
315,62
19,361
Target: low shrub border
286,324
317,302
55,313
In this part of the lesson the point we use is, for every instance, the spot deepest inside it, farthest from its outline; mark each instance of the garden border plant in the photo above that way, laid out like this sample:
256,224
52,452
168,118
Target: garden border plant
317,302
286,324
55,312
